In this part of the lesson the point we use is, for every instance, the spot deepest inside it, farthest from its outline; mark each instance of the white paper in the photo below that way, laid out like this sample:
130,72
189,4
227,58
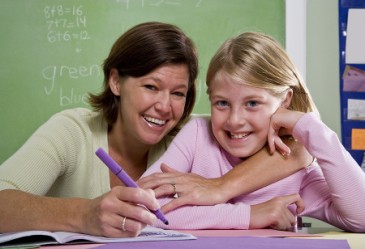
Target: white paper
48,238
356,109
355,38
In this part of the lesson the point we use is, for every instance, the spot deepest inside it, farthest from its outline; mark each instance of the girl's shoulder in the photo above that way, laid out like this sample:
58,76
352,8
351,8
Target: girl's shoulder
203,119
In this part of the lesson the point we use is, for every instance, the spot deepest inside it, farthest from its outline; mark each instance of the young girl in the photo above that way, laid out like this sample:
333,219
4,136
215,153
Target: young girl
256,94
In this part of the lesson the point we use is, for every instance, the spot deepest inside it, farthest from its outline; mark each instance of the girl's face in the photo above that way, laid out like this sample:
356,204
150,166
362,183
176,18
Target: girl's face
240,115
150,106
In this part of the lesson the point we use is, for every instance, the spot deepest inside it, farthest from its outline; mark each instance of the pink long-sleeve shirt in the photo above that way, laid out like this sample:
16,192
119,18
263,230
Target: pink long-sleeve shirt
332,187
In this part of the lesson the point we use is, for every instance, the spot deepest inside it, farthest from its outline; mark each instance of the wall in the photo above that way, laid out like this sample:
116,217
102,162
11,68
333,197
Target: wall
323,60
323,65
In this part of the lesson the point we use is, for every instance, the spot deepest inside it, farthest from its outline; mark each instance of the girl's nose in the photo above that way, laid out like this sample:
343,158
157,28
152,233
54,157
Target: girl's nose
236,119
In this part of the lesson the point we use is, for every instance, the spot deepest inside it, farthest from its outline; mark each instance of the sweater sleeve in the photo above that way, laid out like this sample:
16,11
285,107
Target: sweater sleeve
47,154
193,146
341,188
220,216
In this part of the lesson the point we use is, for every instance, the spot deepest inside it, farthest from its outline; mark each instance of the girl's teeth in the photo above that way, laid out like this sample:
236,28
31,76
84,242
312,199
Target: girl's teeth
238,136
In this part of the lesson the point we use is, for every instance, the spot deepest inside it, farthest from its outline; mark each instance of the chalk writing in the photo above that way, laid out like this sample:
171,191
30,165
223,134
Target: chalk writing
60,10
158,3
65,24
79,21
72,98
56,36
53,73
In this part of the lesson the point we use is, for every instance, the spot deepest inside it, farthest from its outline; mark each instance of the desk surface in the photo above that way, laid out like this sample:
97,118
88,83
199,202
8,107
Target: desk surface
355,240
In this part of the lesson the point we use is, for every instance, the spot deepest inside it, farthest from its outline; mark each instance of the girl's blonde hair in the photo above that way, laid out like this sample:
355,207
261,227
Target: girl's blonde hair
258,60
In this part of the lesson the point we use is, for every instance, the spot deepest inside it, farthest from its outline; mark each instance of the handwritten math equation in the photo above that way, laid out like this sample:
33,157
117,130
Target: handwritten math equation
65,24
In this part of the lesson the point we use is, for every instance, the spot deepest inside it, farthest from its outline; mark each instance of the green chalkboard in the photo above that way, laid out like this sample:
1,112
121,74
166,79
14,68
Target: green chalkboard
51,51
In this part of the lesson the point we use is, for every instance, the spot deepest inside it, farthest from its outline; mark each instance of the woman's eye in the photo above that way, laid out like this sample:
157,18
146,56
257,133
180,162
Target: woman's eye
150,87
179,94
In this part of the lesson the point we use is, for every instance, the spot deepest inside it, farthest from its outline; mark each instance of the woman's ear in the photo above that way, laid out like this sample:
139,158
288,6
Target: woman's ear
114,83
287,100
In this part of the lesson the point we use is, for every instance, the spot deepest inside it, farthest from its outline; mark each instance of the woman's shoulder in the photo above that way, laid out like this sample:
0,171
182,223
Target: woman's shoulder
74,123
80,116
76,114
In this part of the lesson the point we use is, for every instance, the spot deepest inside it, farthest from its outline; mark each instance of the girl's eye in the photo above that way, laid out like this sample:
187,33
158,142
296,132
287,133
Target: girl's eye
252,103
221,103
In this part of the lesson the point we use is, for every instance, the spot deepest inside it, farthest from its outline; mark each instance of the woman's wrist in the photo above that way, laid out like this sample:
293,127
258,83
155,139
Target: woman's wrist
227,187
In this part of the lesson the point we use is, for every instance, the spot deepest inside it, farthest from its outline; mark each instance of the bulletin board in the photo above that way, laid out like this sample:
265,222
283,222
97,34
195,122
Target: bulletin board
352,76
51,51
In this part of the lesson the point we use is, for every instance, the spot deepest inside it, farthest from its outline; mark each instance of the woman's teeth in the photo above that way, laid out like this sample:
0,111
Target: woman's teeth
155,121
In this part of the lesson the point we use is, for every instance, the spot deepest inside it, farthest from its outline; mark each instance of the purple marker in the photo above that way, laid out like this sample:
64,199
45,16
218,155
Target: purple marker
124,177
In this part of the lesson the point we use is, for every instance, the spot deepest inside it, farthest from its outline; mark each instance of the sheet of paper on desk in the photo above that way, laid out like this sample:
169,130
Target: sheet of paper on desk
355,37
250,232
30,238
235,243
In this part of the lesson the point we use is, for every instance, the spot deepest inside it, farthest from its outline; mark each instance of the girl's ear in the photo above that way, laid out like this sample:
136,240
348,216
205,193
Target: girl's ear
287,100
114,82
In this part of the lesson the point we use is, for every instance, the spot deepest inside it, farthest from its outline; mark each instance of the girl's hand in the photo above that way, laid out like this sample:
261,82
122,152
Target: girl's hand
275,213
282,123
190,188
104,216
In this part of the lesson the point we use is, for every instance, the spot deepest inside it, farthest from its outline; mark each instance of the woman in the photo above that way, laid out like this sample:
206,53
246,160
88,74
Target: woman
55,182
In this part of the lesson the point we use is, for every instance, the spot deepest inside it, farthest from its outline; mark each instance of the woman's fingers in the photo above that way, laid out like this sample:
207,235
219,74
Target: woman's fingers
124,211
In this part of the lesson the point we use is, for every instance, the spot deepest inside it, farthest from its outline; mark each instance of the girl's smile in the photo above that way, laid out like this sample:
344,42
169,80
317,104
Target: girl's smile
240,115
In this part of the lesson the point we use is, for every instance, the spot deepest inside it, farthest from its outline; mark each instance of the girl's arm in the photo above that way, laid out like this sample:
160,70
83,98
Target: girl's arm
344,180
197,190
334,193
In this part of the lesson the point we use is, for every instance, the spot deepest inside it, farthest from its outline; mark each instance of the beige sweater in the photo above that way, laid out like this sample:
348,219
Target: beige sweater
59,158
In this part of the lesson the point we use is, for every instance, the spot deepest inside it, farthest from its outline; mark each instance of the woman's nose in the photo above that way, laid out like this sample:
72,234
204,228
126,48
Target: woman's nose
163,103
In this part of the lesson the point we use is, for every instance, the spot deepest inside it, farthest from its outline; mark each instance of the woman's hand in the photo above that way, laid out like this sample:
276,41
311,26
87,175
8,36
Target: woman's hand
120,213
242,179
189,187
282,123
275,213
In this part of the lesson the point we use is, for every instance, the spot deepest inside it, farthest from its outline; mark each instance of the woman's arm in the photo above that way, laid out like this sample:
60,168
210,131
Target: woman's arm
197,190
102,216
53,162
270,167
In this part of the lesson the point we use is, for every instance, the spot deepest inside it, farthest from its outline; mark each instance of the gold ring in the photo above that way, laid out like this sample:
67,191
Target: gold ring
123,223
175,194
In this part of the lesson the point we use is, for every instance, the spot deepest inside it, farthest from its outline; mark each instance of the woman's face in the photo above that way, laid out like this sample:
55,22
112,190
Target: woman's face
241,115
151,105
